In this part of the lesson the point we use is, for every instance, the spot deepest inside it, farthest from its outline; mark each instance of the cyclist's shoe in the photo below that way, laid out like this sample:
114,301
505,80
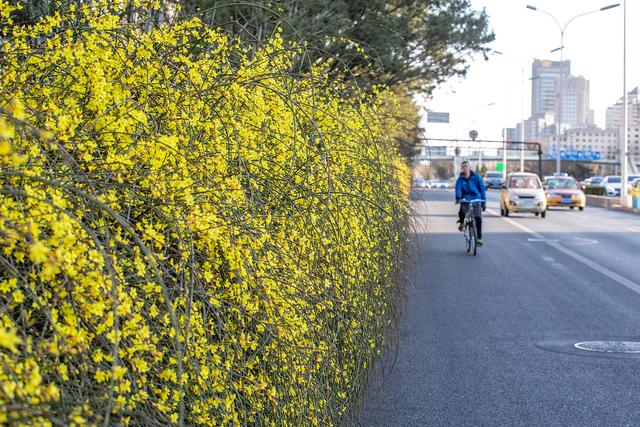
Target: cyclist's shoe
479,242
460,226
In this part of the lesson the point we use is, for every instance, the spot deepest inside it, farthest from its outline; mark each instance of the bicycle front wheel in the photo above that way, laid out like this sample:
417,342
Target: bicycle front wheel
472,245
467,236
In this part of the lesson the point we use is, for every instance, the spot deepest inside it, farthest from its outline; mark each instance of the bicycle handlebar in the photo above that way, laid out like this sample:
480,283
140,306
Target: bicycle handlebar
472,201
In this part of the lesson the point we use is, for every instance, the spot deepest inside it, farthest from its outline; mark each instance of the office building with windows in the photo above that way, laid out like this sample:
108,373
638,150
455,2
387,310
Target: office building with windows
603,141
614,112
545,82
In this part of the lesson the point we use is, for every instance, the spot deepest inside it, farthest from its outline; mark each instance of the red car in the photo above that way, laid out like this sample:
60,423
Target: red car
564,191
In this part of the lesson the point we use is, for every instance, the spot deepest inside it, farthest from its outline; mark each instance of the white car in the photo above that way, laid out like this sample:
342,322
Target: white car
631,178
523,192
419,183
440,183
611,184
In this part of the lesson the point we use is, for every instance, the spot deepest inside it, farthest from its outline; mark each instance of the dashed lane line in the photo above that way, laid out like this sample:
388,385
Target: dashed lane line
589,263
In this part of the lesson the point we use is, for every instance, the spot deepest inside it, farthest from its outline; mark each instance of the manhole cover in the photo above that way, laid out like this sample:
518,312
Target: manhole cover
609,346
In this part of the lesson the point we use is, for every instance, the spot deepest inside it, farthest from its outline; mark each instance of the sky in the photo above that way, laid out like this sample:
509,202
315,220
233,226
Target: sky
489,97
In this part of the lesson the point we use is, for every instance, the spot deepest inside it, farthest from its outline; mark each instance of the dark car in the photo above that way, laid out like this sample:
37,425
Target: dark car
493,179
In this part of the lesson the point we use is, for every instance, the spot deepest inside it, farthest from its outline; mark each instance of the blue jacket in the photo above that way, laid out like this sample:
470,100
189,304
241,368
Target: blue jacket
470,188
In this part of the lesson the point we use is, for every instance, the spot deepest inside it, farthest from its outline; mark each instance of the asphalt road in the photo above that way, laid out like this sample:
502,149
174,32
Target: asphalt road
489,340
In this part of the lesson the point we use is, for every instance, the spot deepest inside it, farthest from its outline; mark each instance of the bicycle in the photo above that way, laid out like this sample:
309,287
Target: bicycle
471,208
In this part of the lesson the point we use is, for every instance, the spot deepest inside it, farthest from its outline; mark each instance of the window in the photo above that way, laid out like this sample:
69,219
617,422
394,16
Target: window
523,182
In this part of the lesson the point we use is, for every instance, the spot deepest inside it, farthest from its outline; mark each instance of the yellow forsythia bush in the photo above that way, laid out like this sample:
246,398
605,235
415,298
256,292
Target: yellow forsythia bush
189,233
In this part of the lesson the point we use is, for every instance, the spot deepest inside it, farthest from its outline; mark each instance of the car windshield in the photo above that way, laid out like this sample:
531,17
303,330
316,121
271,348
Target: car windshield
614,179
562,184
523,182
597,179
633,177
494,175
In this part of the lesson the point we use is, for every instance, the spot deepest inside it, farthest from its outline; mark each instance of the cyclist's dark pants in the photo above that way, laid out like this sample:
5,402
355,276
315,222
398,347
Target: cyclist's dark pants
461,213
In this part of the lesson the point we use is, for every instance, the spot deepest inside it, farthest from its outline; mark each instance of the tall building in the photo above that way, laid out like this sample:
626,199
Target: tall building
614,113
551,82
634,143
510,134
575,103
536,129
545,78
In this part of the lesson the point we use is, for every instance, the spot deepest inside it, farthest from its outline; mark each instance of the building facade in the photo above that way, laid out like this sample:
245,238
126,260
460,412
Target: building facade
552,82
614,112
575,103
545,82
634,143
604,141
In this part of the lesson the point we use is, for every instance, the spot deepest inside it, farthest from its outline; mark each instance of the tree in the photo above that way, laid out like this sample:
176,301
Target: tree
418,43
407,117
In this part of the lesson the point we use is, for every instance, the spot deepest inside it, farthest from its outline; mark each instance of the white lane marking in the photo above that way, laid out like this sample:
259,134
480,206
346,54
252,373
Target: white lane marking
633,229
594,265
541,240
552,262
582,241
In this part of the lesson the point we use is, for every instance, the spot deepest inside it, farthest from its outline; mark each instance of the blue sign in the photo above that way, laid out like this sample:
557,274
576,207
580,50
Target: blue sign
437,117
574,154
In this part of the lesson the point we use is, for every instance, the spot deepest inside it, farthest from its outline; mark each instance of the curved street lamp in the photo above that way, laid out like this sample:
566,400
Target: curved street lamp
521,113
561,83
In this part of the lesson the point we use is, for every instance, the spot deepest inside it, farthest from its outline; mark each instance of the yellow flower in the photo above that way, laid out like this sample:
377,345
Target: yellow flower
38,252
9,340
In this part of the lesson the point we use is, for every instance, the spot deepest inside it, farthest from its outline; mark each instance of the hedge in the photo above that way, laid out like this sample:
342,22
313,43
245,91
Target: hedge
190,233
595,190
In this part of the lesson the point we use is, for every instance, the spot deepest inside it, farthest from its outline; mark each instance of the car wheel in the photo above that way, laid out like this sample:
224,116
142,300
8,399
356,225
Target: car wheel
543,214
537,213
581,208
571,207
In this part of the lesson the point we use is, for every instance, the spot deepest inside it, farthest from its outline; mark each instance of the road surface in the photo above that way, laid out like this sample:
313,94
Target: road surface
490,340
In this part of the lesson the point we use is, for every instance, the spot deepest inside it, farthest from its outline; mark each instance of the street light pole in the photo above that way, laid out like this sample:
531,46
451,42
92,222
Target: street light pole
625,126
521,110
561,83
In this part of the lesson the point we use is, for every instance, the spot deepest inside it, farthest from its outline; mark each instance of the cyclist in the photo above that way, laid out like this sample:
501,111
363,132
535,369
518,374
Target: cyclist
469,186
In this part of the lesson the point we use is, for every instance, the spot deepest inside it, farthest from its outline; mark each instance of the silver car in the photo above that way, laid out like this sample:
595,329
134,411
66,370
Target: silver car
523,192
612,184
